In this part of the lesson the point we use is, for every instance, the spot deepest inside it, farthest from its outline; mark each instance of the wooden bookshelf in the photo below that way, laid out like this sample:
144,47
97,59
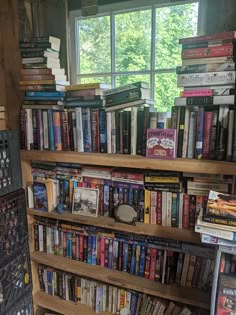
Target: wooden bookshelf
132,161
56,304
109,223
190,296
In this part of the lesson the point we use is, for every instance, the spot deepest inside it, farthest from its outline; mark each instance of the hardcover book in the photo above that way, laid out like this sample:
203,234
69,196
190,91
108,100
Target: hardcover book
161,143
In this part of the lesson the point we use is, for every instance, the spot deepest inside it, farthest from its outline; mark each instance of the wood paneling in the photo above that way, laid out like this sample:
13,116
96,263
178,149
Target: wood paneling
10,61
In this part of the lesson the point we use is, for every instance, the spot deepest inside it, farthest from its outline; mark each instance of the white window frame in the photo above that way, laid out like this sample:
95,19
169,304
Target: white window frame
114,9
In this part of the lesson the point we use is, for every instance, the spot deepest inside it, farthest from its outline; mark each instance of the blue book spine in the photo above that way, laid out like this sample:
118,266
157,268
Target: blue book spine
49,94
69,245
131,196
103,131
66,188
133,304
86,123
106,200
142,261
200,131
133,260
90,246
121,195
51,131
110,254
174,210
94,250
50,281
125,256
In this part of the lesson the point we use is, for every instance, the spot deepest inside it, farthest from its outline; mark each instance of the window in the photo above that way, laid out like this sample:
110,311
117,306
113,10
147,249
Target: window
141,44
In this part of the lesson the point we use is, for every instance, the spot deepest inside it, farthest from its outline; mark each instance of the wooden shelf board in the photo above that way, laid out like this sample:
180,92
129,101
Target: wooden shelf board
109,223
190,296
132,161
56,304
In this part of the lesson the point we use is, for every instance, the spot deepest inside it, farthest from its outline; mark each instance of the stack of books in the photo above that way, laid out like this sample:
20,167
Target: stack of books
43,82
217,220
103,297
204,113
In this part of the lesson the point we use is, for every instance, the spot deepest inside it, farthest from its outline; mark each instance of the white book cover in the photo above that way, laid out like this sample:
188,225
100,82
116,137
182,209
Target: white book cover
133,130
79,129
181,205
200,61
29,129
163,208
113,132
41,239
186,132
208,239
215,232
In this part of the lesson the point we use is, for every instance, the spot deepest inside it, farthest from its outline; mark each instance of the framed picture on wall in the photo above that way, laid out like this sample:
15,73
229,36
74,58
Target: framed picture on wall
85,201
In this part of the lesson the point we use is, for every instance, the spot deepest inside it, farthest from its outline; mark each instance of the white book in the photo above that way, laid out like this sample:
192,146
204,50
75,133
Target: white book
114,295
208,186
110,298
104,303
109,136
208,239
79,129
181,205
200,61
162,120
29,129
134,111
51,54
192,134
168,207
113,132
153,118
60,71
227,235
164,208
45,130
41,240
186,132
30,196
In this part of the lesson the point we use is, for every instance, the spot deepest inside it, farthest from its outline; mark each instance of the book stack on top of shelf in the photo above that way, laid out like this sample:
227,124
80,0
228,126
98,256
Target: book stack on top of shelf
217,220
204,114
43,82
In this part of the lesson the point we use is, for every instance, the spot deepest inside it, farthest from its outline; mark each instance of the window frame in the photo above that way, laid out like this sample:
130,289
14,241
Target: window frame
114,9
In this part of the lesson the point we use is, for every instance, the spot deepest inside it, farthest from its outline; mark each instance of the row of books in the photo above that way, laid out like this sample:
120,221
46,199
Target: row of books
103,297
88,129
119,252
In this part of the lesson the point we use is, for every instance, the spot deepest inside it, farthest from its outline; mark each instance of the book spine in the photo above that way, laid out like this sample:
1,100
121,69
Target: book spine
174,210
113,132
186,205
118,131
35,130
109,129
217,36
164,208
141,207
126,132
140,132
57,130
196,93
230,135
133,130
153,207
86,123
153,259
192,134
234,140
221,135
168,208
206,135
213,134
181,128
95,130
186,133
45,123
147,200
65,130
79,130
192,212
201,79
146,125
103,131
217,51
215,67
199,134
159,207
123,97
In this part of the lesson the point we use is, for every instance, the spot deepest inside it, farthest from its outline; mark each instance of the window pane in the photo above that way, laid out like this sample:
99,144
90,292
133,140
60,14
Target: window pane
94,45
96,79
127,79
133,40
165,91
173,23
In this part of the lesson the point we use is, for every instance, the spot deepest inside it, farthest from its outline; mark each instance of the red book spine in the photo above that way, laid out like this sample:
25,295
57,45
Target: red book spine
153,207
147,263
207,135
192,212
95,130
38,77
73,246
159,206
81,247
217,51
153,262
186,212
206,38
57,130
64,243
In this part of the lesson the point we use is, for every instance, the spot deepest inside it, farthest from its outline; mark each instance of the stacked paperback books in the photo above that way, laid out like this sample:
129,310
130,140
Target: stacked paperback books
217,221
204,114
43,83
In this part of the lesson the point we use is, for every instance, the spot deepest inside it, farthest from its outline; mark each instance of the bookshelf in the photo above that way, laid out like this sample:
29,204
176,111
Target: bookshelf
190,296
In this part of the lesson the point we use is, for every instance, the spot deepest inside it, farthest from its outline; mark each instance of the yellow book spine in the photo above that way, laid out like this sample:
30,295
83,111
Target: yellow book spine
84,86
147,204
38,82
157,179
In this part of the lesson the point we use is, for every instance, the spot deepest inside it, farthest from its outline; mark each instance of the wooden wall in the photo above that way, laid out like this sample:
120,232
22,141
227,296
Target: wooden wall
10,62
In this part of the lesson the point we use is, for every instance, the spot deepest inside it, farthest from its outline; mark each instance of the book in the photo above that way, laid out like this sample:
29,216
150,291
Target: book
161,143
217,36
87,86
217,51
214,67
139,84
135,103
226,294
43,195
213,60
